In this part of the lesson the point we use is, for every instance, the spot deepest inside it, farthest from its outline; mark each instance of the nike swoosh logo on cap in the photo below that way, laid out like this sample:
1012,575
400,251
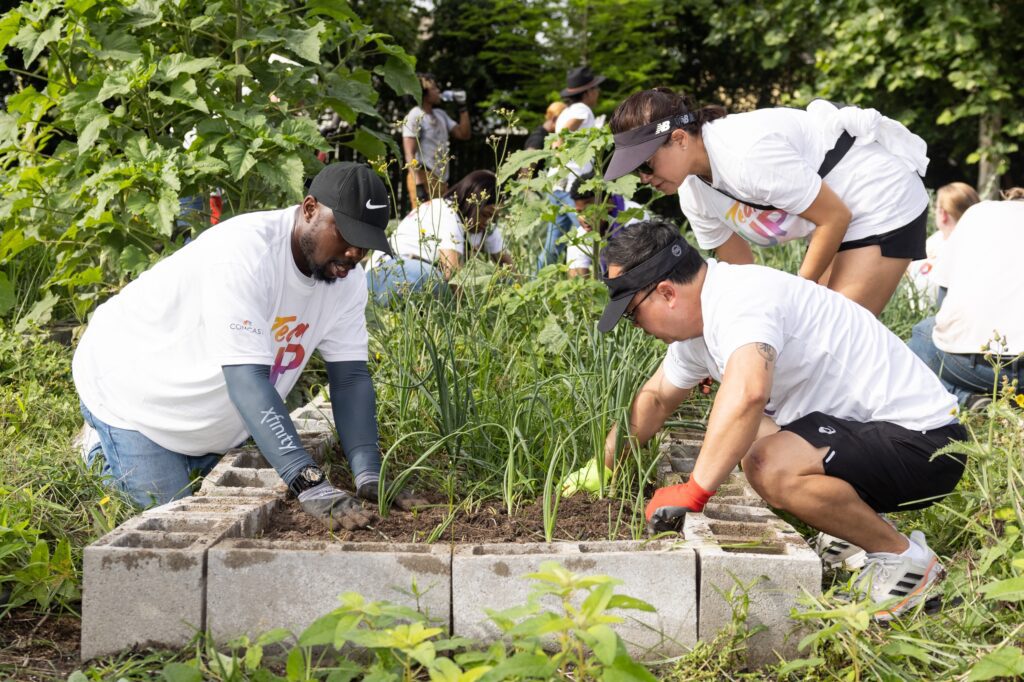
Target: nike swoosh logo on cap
369,205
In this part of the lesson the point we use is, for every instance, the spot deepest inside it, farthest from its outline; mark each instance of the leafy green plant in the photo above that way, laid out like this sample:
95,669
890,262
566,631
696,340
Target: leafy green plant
126,107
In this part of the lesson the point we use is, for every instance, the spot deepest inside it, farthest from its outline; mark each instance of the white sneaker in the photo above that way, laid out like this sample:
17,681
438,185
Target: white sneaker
899,583
835,552
84,441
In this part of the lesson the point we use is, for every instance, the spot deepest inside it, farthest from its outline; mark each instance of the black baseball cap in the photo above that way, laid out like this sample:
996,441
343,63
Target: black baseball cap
359,200
627,284
633,147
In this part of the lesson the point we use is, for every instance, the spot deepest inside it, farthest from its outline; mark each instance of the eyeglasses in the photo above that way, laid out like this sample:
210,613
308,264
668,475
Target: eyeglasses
631,314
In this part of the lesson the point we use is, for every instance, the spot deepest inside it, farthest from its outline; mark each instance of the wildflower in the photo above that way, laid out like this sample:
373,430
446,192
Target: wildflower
1019,399
105,500
378,356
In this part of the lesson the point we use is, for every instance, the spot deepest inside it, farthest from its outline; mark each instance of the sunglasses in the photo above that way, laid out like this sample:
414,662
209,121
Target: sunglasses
631,314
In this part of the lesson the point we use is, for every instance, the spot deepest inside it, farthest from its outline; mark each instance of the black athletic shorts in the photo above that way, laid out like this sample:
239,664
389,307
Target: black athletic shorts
890,467
903,242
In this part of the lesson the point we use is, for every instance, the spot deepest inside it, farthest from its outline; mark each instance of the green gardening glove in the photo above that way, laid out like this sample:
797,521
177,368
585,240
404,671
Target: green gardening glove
587,478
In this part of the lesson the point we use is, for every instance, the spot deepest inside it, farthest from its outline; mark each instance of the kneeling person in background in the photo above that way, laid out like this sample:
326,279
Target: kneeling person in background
831,417
580,255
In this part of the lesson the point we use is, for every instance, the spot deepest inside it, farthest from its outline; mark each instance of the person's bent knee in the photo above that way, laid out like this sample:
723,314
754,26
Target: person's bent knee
765,476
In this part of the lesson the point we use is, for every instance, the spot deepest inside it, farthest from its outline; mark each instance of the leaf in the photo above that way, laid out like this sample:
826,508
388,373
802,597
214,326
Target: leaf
605,643
295,668
43,39
7,298
9,25
240,159
87,137
400,77
799,664
522,665
180,672
117,83
306,44
176,64
39,314
285,174
121,47
1011,589
625,669
368,144
622,601
1005,662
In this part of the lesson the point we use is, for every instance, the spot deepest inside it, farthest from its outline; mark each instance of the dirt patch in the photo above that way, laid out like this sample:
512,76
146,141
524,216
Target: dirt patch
36,647
578,518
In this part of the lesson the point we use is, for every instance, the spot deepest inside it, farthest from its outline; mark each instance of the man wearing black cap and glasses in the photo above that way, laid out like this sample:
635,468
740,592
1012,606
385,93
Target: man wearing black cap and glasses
199,352
833,418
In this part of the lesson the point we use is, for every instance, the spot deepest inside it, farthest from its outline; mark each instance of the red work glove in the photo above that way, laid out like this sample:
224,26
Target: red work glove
669,505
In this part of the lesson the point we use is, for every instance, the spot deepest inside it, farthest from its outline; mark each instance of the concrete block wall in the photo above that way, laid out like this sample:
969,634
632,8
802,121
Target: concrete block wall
199,563
491,576
143,584
256,585
748,551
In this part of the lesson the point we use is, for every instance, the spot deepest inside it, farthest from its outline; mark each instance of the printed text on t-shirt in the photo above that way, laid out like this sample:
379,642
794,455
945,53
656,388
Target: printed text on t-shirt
290,355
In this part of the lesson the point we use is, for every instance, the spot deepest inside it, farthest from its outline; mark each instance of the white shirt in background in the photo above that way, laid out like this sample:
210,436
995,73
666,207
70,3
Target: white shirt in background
431,131
919,272
577,111
435,225
980,268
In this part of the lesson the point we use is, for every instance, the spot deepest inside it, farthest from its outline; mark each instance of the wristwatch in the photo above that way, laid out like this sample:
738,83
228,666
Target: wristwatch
307,478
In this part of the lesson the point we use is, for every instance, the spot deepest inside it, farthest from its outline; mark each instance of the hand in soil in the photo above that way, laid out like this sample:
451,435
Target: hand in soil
335,508
666,519
405,501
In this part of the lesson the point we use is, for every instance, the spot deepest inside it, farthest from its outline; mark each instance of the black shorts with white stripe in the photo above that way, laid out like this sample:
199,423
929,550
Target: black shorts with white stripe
890,467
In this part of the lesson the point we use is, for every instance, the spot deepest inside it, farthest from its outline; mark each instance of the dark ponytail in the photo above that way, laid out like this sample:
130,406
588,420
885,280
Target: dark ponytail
647,106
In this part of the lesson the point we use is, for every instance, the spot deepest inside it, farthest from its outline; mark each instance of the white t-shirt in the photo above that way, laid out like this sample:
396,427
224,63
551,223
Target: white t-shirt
431,131
578,256
771,157
714,217
980,268
435,225
581,112
151,357
833,357
919,272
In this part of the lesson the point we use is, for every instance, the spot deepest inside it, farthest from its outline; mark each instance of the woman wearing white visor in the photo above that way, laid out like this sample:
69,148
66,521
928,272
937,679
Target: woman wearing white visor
849,179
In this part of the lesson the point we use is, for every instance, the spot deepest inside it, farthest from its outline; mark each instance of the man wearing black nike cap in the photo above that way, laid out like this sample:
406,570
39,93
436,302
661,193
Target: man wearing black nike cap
198,353
833,418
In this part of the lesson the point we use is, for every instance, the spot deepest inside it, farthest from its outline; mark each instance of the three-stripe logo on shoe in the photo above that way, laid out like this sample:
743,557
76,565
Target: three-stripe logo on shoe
904,586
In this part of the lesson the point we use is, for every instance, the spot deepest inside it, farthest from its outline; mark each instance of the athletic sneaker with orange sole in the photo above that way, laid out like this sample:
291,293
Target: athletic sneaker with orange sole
897,583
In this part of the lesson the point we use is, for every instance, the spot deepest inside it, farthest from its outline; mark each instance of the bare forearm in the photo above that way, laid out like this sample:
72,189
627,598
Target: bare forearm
825,242
648,414
732,428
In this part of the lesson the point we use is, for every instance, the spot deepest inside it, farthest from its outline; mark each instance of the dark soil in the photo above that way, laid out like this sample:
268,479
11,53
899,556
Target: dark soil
35,647
578,518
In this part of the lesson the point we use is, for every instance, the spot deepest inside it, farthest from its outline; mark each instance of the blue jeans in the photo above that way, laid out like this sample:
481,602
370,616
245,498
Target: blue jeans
565,223
398,276
148,473
963,375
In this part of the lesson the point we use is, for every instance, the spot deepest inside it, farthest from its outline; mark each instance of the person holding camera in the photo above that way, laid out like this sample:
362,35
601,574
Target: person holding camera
425,134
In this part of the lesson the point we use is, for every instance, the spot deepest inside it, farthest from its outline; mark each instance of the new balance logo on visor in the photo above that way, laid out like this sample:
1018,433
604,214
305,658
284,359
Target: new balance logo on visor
662,127
372,206
827,430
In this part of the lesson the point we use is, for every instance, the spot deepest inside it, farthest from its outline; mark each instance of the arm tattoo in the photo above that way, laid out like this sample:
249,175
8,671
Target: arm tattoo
768,353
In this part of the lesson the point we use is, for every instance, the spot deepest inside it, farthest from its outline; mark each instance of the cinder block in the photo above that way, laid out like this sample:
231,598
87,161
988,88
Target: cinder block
143,583
251,513
757,554
255,585
662,573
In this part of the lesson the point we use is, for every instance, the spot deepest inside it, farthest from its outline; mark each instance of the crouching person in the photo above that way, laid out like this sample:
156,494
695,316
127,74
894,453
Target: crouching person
830,415
199,352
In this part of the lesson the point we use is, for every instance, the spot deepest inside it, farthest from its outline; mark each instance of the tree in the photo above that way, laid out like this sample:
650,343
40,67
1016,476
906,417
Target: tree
126,107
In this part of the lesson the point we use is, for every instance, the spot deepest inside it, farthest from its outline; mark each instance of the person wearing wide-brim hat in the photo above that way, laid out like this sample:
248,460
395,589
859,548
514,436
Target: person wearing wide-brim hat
582,89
